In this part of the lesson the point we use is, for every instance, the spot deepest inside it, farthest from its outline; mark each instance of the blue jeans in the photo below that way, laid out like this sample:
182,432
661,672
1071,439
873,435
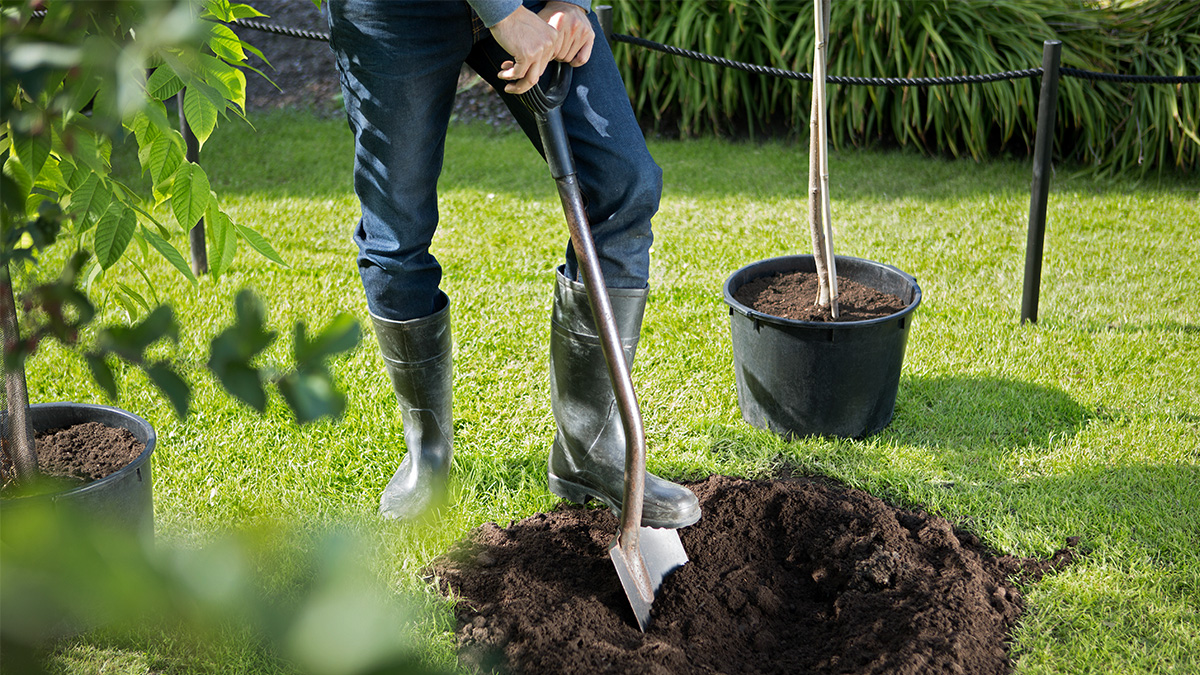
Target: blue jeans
399,63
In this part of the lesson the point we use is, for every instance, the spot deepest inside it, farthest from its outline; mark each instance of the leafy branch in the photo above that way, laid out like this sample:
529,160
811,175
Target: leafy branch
76,79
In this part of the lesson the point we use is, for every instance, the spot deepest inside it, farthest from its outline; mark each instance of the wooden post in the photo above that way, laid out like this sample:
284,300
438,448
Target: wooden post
604,15
1043,151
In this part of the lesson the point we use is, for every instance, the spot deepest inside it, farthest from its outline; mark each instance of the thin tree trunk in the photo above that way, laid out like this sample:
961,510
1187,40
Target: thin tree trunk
18,428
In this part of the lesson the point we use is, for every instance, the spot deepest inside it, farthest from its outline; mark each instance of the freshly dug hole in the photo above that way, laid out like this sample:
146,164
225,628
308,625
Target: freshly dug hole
788,575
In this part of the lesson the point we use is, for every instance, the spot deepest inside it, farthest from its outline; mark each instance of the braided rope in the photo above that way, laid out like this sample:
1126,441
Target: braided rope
807,77
836,79
1147,79
282,30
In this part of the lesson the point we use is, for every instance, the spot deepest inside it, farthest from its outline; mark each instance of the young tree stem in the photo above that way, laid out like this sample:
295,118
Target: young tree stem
18,427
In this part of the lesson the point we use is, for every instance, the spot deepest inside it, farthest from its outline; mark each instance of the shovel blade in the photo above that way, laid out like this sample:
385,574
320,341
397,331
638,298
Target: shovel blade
658,552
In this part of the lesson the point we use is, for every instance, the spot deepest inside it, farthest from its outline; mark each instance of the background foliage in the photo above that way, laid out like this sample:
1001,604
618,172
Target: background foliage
1110,127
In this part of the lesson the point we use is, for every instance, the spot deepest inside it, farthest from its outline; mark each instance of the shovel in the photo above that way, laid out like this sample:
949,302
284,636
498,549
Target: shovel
643,556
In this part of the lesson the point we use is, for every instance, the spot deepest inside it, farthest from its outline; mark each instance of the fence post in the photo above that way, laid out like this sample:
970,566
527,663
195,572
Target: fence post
1043,151
604,15
196,235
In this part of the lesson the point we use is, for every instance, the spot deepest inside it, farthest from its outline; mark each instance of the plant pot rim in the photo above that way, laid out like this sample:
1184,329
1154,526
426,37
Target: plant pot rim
113,477
736,306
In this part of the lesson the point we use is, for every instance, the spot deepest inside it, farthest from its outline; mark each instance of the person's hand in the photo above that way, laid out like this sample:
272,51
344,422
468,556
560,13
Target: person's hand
575,34
560,32
532,43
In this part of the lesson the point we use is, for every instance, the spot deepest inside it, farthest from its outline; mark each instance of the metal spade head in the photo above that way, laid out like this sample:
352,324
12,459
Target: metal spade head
643,563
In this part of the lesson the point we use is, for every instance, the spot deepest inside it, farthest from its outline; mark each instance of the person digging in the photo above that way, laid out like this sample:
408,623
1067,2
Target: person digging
399,65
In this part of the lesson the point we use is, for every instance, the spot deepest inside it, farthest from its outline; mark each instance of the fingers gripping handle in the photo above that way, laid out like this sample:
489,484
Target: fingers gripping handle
545,105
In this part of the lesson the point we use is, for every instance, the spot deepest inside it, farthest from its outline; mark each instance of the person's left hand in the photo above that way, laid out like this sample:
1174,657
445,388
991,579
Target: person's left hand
575,34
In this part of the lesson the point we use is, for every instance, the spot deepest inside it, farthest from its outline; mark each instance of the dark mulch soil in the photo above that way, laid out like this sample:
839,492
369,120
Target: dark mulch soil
82,453
791,295
792,575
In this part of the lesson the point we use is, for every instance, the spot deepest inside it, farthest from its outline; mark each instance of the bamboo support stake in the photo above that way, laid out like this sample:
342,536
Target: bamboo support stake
815,205
821,11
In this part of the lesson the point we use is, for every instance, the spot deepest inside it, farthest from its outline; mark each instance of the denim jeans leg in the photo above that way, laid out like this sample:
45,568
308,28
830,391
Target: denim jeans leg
399,64
620,181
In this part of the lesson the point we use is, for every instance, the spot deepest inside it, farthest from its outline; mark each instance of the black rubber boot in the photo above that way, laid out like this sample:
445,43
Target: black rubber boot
418,358
588,456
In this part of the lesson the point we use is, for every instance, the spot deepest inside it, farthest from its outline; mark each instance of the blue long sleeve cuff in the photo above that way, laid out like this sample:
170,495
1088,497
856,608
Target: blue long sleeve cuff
492,12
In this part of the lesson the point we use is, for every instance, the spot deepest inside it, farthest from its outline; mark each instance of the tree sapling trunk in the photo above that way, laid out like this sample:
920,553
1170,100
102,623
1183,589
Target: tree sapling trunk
18,427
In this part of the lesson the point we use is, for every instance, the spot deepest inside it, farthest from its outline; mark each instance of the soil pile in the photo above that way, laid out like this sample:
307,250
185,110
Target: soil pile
790,295
786,576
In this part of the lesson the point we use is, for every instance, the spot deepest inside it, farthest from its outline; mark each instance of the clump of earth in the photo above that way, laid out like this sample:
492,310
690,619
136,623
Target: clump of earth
790,575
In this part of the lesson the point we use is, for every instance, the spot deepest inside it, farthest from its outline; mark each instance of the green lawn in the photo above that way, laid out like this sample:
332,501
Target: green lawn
1086,424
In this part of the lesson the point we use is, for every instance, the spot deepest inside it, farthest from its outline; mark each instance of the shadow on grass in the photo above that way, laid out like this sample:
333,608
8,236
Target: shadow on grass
969,412
955,412
967,426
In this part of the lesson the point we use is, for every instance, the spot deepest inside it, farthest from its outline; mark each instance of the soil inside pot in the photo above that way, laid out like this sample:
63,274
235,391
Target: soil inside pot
785,576
791,295
78,454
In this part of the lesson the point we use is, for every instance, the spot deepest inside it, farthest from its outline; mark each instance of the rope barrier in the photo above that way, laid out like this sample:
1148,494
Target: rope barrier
807,77
836,79
282,30
1113,77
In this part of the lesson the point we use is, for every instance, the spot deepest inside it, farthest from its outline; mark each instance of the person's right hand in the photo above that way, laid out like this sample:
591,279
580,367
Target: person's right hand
532,43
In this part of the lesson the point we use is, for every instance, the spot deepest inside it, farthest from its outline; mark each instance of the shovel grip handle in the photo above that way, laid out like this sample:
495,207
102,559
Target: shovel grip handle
546,104
541,101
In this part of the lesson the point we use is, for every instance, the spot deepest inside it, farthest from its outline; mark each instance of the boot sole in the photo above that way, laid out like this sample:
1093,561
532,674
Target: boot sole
580,494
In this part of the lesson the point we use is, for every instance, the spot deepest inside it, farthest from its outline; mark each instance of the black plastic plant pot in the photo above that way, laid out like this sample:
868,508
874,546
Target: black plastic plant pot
814,378
123,499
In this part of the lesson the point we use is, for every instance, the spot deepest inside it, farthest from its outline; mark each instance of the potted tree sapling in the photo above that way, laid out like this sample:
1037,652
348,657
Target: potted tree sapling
818,340
76,79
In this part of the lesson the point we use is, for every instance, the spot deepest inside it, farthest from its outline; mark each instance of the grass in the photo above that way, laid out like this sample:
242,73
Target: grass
1086,424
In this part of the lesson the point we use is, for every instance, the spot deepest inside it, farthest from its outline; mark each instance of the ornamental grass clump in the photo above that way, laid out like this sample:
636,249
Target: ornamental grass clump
1109,127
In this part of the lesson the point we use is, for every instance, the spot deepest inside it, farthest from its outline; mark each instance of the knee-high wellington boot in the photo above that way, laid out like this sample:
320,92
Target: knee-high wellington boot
417,355
588,456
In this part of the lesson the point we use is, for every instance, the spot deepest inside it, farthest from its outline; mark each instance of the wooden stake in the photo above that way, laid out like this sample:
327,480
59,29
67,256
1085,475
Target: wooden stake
816,210
821,11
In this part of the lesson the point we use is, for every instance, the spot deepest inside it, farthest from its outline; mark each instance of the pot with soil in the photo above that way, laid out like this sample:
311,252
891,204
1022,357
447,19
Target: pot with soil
94,460
815,352
800,373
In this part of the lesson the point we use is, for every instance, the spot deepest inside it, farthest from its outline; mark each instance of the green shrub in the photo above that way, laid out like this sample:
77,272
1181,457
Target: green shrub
1110,126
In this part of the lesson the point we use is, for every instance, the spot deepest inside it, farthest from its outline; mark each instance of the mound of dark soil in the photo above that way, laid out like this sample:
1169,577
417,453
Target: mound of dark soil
785,576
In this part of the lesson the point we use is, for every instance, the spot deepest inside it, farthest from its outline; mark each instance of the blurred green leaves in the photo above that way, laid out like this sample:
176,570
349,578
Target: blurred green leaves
307,600
75,79
308,390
